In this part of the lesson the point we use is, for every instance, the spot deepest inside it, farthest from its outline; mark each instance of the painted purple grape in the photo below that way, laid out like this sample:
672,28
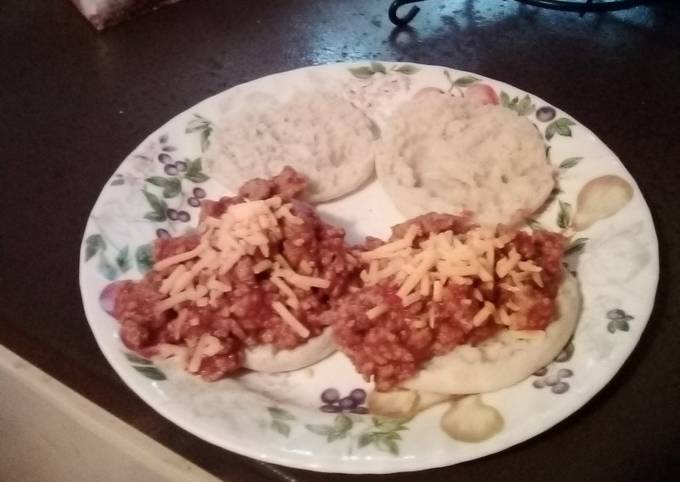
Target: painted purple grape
107,298
170,170
541,371
164,158
162,233
551,380
330,395
347,403
193,202
538,383
172,214
359,410
183,216
564,373
181,166
561,387
330,408
545,114
199,192
358,395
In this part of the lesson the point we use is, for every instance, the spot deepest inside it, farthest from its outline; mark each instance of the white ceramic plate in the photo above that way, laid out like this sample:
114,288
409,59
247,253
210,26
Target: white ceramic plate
277,418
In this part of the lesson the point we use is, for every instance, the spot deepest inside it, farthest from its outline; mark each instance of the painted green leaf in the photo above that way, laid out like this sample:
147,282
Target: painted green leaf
525,107
521,107
118,182
335,435
553,194
205,139
387,424
155,217
392,447
366,439
195,171
106,269
172,188
281,427
533,224
171,185
576,246
564,215
158,207
137,360
378,67
616,314
324,430
361,72
407,69
559,126
550,131
280,414
387,445
144,257
570,162
169,148
159,181
465,81
152,372
163,139
342,423
123,259
93,244
198,123
622,325
563,125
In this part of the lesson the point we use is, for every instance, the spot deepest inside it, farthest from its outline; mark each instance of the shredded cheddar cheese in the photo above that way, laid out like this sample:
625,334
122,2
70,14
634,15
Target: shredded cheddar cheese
198,275
422,269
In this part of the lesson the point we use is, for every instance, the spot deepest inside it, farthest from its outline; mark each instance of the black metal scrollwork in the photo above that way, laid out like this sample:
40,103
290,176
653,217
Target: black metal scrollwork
402,21
572,6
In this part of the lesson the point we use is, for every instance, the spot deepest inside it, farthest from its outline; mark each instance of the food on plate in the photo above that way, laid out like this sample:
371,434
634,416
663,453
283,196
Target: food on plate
448,307
448,154
320,135
249,287
506,358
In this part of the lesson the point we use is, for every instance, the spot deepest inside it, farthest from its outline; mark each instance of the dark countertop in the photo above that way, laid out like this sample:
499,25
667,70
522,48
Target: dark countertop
74,103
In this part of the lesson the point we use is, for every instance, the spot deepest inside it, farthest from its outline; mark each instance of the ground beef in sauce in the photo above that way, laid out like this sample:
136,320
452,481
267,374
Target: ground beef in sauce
434,223
394,346
243,317
288,185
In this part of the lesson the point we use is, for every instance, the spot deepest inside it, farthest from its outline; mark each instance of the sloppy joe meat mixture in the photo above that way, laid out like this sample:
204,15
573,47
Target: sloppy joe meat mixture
389,337
242,307
437,283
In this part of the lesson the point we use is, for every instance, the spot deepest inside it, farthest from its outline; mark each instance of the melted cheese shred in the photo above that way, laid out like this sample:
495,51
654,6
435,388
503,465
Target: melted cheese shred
422,269
198,275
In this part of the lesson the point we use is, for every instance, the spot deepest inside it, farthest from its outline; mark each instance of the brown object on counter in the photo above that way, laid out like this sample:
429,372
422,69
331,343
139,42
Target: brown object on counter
107,13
